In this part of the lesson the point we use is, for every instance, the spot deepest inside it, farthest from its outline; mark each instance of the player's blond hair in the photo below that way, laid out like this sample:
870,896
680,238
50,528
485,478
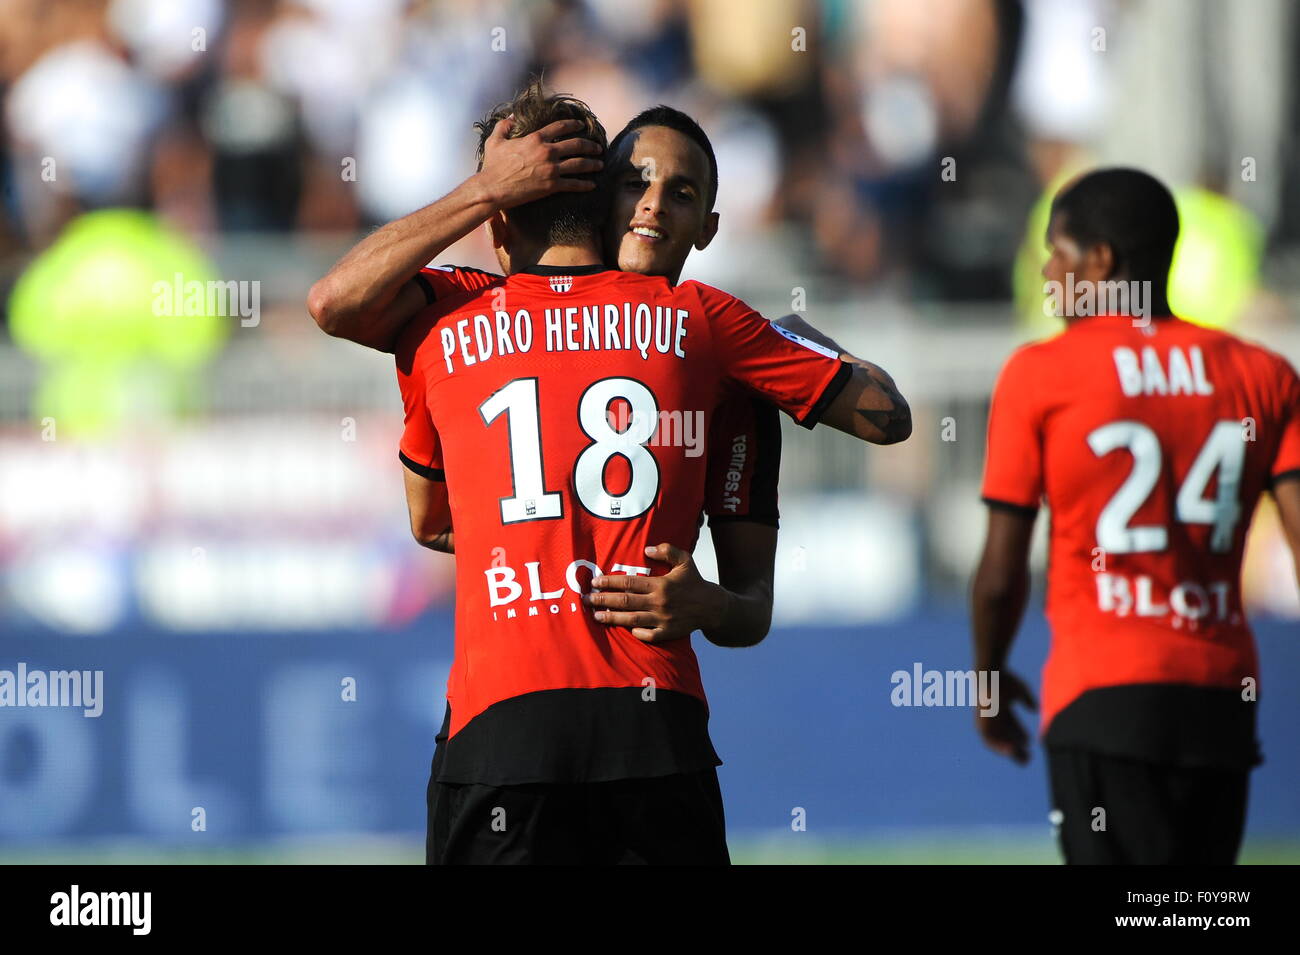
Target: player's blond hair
563,218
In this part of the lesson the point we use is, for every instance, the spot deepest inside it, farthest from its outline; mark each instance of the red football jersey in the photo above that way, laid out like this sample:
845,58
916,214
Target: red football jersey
1151,446
743,445
513,390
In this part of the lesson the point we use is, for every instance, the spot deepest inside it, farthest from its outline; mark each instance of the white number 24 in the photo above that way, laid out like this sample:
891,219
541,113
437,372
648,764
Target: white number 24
1224,450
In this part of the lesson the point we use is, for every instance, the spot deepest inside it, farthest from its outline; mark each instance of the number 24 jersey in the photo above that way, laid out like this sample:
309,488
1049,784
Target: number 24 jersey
1151,444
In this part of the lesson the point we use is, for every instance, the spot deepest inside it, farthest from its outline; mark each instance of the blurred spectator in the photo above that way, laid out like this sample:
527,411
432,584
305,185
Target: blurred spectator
927,170
898,143
255,131
80,120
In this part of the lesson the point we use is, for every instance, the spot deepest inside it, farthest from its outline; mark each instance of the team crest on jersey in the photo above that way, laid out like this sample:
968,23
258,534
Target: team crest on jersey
561,283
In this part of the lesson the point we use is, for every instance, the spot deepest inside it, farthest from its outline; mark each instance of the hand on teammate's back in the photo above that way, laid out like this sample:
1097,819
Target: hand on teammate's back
531,167
1004,733
659,609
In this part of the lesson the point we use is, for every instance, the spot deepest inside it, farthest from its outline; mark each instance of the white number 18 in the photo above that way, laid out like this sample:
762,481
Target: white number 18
530,500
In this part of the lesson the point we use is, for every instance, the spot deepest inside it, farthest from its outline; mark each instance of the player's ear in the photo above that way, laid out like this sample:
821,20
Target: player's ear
708,232
1101,260
497,230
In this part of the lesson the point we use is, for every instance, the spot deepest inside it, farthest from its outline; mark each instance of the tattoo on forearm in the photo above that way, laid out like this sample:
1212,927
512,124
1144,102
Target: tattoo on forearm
444,543
894,422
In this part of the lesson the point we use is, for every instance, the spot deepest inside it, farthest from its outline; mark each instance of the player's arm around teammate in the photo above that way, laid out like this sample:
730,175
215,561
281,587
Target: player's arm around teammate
739,612
870,407
735,613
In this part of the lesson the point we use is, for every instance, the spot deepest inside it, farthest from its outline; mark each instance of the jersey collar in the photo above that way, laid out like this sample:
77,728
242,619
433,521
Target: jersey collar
564,269
1115,317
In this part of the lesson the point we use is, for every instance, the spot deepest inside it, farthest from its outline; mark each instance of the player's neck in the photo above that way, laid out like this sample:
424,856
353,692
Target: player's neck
560,256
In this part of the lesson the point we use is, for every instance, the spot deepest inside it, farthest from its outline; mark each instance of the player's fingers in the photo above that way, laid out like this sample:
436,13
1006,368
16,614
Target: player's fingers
616,600
1022,751
627,583
656,635
613,618
576,146
674,555
559,129
574,185
501,129
571,167
1001,747
1017,736
1023,693
667,553
1003,732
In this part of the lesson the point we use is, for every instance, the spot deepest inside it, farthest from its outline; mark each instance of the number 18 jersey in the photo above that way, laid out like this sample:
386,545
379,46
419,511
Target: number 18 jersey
569,415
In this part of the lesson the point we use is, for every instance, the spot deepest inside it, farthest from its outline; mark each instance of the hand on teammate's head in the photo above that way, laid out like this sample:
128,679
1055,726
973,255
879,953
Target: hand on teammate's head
555,158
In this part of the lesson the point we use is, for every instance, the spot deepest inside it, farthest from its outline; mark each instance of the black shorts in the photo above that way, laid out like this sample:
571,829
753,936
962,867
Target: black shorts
663,820
1119,811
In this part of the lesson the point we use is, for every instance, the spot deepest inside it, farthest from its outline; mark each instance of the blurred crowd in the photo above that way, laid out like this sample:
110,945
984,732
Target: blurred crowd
897,141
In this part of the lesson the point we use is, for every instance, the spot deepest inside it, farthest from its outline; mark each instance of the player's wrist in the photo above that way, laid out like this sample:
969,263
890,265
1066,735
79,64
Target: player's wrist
718,609
484,194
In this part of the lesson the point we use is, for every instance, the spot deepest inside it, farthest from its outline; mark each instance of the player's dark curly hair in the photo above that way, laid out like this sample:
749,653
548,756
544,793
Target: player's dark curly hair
563,218
1129,210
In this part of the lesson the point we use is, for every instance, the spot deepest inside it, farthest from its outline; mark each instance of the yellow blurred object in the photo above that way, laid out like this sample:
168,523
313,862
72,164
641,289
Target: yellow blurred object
1216,262
97,309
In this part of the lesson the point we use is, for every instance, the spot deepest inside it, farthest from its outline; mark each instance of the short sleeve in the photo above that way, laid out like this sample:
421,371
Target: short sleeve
798,376
1013,460
1286,462
744,461
439,281
419,449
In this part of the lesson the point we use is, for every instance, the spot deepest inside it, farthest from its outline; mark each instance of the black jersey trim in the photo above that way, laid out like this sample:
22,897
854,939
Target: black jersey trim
430,296
829,393
767,462
1292,475
1173,724
581,736
433,474
1021,509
